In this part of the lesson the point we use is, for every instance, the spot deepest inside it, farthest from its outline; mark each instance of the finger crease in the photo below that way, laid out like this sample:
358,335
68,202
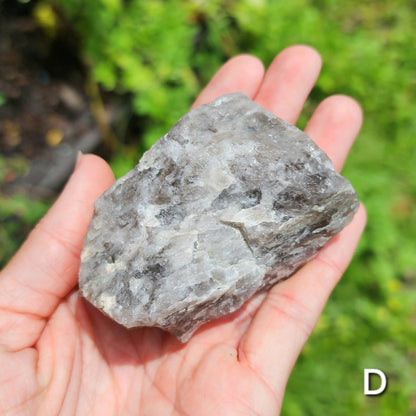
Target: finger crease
32,315
244,358
328,263
292,310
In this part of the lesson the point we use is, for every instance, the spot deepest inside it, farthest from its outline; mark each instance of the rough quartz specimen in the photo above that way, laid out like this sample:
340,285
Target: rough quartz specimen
229,202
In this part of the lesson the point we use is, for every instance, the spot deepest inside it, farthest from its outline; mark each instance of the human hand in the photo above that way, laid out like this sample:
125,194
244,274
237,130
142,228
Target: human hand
59,355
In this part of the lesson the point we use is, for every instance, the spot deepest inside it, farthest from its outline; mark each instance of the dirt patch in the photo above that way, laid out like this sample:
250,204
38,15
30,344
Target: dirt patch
45,112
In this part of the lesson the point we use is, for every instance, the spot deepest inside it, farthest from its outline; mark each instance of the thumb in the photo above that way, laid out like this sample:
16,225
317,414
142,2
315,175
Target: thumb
45,269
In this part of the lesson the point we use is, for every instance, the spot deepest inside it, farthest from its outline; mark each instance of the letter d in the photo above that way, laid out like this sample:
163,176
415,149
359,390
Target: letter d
383,385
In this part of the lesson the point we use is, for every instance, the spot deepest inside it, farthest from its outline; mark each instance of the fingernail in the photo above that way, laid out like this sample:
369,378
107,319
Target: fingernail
78,160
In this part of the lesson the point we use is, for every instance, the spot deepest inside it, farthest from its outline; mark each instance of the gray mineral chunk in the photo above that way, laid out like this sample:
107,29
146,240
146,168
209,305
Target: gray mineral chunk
230,201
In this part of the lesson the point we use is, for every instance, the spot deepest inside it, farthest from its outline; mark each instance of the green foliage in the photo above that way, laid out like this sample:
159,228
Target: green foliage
124,160
18,214
161,53
143,48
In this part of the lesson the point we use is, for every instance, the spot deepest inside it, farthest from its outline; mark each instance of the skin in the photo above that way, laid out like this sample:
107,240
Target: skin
59,355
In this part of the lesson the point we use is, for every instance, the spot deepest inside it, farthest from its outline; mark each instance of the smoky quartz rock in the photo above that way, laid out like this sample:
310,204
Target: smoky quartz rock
229,202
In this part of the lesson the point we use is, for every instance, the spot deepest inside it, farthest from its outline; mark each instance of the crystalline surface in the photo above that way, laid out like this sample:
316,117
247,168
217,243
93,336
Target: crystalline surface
229,202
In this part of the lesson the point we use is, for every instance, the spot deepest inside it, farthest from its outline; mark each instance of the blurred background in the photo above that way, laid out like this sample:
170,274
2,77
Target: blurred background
112,76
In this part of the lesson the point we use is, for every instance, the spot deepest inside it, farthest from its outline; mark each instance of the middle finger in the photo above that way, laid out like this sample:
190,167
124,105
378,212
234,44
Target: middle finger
289,80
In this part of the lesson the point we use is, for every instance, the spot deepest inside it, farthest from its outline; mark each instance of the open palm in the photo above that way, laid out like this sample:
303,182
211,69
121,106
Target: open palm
59,355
